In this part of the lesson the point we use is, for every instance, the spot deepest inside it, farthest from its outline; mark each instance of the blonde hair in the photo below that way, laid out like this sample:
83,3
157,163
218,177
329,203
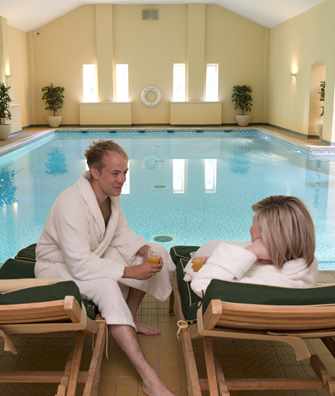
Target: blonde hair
286,227
96,152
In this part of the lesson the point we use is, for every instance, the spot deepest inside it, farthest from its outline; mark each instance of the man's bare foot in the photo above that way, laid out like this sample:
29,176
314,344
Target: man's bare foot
144,329
157,389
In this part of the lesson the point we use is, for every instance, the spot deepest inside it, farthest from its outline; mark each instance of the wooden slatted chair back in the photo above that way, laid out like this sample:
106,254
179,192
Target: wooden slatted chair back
67,309
276,317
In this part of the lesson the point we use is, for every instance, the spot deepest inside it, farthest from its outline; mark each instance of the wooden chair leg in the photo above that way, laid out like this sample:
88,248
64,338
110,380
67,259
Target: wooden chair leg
171,304
320,369
329,342
210,366
224,391
61,389
75,365
331,388
94,371
193,381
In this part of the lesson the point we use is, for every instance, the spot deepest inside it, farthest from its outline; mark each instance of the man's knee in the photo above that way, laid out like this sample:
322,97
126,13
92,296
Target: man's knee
101,289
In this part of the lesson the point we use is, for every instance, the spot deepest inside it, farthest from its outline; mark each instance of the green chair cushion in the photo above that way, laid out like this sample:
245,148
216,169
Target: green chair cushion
57,291
243,293
189,300
246,293
14,269
27,254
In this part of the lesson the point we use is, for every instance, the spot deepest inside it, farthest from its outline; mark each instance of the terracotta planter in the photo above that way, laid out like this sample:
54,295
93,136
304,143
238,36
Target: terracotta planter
4,131
242,119
54,121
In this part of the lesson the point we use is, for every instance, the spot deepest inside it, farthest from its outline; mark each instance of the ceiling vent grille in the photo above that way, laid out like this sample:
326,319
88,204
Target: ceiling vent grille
150,14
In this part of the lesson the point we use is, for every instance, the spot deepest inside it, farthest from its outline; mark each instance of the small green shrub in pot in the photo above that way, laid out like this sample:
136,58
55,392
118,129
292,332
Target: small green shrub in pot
5,114
53,98
243,101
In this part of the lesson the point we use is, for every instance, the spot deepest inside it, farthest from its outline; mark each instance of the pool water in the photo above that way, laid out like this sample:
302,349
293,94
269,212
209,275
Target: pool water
189,187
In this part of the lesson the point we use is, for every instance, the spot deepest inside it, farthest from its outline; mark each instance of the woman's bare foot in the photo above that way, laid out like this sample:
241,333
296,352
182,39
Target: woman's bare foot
157,389
143,329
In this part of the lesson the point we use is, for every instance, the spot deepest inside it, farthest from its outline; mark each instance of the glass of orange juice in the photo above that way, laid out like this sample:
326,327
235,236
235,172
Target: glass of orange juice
197,263
154,258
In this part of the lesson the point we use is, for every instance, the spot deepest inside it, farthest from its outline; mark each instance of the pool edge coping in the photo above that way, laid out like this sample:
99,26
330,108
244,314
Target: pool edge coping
308,148
24,141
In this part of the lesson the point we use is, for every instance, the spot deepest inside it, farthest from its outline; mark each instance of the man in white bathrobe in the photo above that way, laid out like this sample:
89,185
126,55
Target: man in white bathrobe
87,239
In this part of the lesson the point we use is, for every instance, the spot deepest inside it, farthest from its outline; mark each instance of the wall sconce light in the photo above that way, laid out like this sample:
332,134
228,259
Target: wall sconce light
294,75
7,70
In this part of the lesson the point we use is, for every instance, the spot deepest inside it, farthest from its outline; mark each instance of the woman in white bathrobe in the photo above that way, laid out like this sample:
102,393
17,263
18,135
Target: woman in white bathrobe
87,239
281,252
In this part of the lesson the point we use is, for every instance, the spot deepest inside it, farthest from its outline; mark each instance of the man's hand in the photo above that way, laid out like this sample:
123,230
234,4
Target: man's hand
149,255
142,271
144,252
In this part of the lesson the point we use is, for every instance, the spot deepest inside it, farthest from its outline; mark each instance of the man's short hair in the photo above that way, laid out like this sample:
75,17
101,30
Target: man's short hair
98,149
286,227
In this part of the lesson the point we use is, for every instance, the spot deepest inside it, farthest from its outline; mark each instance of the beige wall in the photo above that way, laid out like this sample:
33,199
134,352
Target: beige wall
19,69
241,48
4,55
58,51
150,48
107,35
295,46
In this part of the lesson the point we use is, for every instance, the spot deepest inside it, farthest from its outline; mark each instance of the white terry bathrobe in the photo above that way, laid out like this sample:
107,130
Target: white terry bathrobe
76,245
232,262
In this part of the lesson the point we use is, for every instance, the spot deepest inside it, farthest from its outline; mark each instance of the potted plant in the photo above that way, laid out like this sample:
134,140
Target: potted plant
322,92
53,98
5,114
242,100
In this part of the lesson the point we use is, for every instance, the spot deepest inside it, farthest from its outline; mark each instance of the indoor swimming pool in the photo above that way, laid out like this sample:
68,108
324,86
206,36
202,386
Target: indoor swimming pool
182,187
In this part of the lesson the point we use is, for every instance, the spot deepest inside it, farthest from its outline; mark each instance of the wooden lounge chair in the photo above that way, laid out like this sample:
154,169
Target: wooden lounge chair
51,309
252,312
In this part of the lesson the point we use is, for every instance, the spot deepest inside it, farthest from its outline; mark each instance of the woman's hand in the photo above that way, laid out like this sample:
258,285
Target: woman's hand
258,248
198,262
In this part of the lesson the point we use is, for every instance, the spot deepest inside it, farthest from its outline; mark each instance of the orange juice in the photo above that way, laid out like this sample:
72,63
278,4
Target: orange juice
197,263
154,260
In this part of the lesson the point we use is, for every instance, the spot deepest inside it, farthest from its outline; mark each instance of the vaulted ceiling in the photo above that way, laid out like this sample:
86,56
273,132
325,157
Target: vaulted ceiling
31,14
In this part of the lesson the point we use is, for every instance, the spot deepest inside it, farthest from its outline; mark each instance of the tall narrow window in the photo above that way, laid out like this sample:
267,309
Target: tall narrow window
15,208
126,185
178,176
179,82
212,82
210,166
85,166
90,83
121,83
